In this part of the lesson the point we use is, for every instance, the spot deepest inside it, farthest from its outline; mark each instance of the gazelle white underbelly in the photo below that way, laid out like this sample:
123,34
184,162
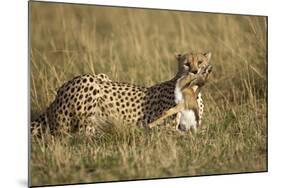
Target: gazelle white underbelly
178,95
187,120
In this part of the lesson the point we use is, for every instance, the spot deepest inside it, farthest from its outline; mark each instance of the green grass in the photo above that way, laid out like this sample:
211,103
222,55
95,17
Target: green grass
138,46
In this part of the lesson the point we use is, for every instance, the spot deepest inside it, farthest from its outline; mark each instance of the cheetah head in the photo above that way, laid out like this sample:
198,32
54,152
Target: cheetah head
192,62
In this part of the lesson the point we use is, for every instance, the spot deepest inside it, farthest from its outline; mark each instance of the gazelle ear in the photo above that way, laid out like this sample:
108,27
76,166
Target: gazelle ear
208,55
178,56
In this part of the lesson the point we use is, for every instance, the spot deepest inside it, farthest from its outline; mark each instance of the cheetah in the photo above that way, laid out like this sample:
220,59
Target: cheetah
95,97
186,92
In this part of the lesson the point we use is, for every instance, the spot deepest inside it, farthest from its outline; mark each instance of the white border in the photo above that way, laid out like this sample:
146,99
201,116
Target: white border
13,100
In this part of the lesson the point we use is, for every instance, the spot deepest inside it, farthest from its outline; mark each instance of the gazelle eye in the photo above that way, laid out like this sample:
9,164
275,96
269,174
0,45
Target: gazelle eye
199,62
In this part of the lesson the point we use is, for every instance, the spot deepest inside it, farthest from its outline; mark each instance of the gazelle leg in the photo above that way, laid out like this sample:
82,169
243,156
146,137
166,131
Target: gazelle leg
178,118
166,114
194,129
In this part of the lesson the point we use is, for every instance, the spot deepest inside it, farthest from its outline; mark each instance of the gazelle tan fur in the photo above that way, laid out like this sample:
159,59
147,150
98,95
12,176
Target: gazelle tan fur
186,92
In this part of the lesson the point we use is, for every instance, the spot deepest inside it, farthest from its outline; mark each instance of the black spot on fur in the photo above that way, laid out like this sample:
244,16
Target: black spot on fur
95,92
90,99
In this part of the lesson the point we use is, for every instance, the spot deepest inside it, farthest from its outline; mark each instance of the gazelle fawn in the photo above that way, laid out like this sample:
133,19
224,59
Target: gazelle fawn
186,92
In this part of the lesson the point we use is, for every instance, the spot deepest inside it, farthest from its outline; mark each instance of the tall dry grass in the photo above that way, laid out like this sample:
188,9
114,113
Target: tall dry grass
137,46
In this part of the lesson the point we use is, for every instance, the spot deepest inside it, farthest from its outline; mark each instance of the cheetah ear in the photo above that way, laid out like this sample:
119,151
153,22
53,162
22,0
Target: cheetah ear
178,56
208,55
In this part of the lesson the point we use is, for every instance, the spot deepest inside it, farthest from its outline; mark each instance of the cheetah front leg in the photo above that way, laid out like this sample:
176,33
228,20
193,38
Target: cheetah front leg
166,114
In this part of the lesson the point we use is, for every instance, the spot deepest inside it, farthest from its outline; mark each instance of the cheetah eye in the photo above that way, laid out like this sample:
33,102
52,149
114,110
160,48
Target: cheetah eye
199,62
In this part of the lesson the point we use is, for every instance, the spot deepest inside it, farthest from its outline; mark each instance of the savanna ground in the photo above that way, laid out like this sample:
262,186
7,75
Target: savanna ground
138,46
